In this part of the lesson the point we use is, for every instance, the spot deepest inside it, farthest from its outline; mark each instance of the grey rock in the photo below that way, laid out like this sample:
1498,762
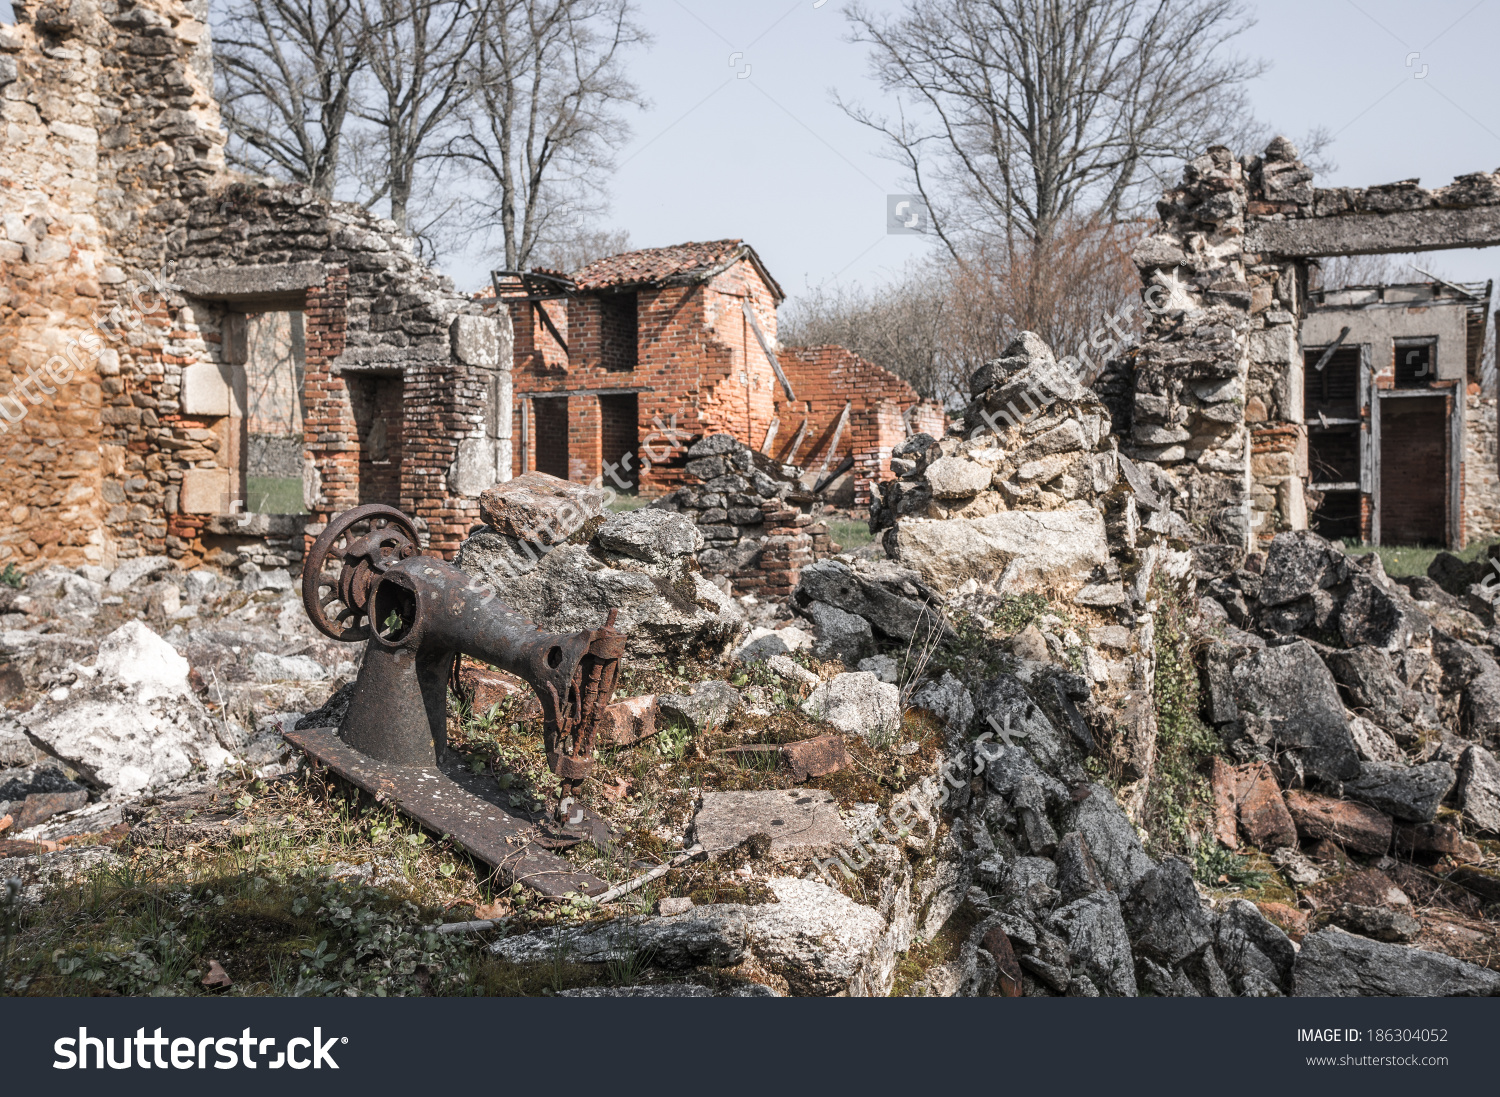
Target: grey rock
254,579
948,700
1335,964
841,635
133,725
1030,793
1029,885
882,666
867,594
1411,793
1299,563
1479,788
1377,922
1375,689
709,704
956,478
819,941
1291,688
1097,942
1385,619
1111,838
664,609
1165,915
858,703
655,536
132,571
1078,874
714,445
762,643
801,823
1017,550
1012,712
1456,576
1249,945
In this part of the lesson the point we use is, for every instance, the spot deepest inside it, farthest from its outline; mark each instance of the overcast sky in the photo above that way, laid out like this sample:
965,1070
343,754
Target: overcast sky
767,156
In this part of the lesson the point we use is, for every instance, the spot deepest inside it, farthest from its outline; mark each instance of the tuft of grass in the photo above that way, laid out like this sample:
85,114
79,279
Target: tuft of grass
849,533
12,577
1178,805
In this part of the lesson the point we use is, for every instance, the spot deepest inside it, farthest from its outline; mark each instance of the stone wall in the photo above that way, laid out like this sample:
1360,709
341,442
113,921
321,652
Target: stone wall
1481,469
756,520
373,311
1213,394
127,245
110,126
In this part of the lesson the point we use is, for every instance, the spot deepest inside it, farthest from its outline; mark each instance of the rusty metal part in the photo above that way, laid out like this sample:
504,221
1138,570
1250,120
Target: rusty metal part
344,561
366,579
443,806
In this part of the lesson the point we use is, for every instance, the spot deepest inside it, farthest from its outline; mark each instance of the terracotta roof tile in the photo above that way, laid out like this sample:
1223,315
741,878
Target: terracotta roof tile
652,266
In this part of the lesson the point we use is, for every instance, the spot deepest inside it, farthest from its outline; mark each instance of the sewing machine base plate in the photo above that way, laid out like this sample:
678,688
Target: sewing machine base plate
440,804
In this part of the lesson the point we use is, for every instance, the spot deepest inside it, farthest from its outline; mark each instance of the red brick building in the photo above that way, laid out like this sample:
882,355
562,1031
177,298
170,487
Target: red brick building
643,352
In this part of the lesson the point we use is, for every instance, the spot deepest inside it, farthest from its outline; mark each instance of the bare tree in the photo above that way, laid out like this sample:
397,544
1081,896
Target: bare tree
1015,115
904,325
286,71
546,88
417,52
943,318
571,251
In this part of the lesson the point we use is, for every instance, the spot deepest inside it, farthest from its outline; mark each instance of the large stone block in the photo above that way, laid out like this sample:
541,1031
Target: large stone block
1018,550
1276,346
541,508
205,389
204,491
476,342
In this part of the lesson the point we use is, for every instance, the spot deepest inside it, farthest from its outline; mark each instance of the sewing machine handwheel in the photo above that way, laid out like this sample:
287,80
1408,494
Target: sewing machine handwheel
336,581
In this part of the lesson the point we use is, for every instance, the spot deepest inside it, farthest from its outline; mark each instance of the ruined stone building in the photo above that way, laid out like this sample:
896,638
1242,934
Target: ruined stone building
1218,396
642,352
1400,438
196,364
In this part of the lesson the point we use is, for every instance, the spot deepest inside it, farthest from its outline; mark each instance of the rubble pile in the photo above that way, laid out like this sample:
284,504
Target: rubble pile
555,555
754,515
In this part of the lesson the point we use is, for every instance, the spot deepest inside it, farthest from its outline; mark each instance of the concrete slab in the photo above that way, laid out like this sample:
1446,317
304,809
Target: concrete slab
801,822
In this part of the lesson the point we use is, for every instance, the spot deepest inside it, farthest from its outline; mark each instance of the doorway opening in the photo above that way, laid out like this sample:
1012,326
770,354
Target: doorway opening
620,438
376,400
551,420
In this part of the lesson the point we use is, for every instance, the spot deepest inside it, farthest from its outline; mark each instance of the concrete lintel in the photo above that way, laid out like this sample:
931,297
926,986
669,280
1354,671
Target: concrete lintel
249,282
1376,233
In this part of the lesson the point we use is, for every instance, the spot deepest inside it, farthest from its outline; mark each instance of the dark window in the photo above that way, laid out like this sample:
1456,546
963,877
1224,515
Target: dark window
551,420
1333,455
1337,516
617,331
1414,366
1333,390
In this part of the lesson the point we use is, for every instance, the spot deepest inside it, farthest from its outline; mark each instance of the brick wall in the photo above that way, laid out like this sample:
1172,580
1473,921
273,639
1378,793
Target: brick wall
699,370
825,378
114,175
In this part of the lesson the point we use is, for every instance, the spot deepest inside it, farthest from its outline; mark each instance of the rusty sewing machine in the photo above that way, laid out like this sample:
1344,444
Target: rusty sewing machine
366,579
